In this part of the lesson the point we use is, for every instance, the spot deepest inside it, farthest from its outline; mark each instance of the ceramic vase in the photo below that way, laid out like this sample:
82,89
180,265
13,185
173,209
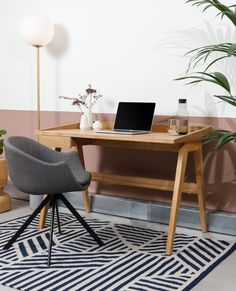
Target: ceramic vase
84,122
89,115
97,125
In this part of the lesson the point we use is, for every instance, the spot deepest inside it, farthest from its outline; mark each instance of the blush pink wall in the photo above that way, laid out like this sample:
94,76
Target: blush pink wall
219,169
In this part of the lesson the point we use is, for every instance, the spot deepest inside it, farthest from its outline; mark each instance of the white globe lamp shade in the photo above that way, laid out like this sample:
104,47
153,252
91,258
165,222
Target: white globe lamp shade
37,30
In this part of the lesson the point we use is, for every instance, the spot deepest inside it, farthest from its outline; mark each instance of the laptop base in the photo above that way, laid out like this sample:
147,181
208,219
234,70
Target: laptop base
126,132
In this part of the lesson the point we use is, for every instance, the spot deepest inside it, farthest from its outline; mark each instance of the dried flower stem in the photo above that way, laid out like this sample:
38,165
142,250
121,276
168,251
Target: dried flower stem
84,101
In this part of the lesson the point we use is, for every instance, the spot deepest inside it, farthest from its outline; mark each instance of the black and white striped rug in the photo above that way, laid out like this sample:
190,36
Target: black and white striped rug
132,259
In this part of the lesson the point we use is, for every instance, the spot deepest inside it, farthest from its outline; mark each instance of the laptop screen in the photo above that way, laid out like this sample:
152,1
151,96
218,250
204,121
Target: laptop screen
134,116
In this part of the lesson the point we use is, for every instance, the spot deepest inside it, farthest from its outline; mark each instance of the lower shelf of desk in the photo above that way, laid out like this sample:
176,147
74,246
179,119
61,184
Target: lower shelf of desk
151,183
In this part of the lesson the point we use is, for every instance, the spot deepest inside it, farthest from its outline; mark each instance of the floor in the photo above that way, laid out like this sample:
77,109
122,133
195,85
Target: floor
223,278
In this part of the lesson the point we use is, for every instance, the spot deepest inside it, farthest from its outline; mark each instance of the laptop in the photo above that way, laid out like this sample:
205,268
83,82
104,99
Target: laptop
132,118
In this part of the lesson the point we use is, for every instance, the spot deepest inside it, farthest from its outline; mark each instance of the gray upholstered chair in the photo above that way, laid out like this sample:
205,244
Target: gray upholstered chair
37,169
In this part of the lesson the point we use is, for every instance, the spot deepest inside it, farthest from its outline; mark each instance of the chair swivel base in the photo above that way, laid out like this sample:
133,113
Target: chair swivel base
53,199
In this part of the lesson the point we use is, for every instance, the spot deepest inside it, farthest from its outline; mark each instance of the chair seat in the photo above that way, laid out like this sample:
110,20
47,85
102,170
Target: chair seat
37,169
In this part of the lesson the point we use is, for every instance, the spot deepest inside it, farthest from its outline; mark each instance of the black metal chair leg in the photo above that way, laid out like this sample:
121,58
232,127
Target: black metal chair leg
58,218
27,222
81,220
51,230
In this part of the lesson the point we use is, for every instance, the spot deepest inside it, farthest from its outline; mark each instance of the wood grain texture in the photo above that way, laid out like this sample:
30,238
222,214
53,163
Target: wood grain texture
158,184
199,170
158,136
43,214
68,136
177,193
5,200
85,193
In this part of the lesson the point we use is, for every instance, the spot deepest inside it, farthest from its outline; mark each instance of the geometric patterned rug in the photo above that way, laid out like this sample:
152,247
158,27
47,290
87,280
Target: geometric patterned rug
132,258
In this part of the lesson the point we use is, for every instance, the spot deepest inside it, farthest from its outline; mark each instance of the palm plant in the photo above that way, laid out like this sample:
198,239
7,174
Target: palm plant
2,131
202,55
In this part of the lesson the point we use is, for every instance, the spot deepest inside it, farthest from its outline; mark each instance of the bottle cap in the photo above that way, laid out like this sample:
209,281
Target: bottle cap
182,100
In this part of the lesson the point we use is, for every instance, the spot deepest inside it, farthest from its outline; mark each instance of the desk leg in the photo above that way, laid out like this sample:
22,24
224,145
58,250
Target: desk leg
199,169
44,211
85,193
43,214
177,193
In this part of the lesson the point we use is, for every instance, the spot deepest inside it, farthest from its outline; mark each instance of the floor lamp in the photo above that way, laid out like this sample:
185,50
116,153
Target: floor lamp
37,31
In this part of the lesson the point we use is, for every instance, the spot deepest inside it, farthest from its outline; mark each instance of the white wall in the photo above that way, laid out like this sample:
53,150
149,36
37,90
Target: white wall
128,49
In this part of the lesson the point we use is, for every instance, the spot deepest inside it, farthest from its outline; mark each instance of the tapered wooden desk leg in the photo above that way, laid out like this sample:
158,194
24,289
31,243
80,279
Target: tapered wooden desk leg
85,194
86,201
44,211
43,214
177,193
199,169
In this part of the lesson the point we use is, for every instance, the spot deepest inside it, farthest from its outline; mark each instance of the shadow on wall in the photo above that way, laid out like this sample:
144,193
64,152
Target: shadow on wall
57,49
184,40
60,43
220,177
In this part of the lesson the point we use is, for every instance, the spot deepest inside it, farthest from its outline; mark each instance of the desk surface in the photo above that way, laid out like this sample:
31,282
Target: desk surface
159,134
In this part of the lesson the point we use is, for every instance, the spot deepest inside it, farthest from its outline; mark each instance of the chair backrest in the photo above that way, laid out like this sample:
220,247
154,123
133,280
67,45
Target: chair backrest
19,152
30,147
37,169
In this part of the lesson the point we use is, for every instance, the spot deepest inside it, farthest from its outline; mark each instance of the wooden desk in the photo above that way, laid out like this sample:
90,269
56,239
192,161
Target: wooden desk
68,136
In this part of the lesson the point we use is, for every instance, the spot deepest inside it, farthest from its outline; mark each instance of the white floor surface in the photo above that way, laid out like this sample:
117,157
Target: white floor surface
222,278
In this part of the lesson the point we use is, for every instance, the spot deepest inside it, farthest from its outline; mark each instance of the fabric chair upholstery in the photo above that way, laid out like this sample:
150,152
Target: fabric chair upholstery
37,169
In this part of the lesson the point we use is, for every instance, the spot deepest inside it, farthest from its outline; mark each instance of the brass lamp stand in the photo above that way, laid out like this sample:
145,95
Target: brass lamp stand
38,85
37,31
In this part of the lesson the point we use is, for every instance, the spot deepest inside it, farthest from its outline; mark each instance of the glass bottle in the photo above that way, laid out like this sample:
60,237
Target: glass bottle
182,115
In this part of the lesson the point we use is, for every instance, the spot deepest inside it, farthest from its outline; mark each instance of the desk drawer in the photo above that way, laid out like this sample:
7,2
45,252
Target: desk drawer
56,141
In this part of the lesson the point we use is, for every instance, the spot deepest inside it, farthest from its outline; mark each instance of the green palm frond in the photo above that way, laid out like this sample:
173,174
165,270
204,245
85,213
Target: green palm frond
2,131
232,50
203,53
223,9
222,137
228,99
216,78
